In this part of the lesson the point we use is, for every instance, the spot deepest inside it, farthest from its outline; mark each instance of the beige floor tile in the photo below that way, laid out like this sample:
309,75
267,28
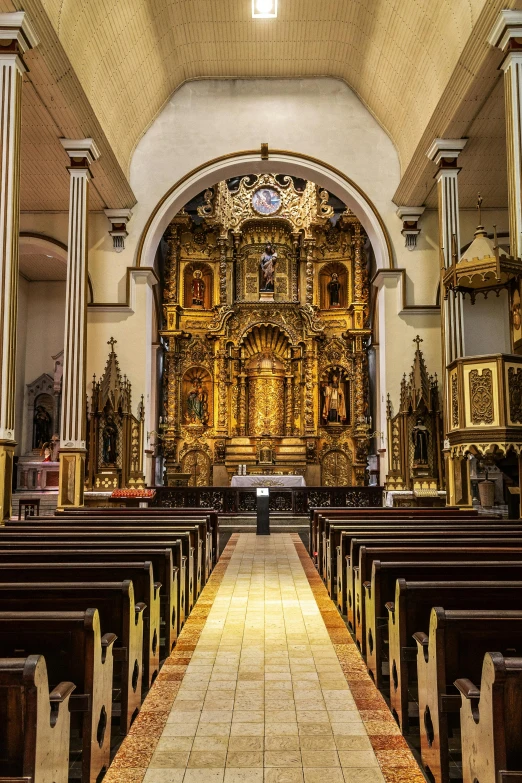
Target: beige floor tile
169,759
362,775
204,776
320,758
283,758
210,743
238,775
246,743
357,758
164,776
281,743
244,758
283,775
323,775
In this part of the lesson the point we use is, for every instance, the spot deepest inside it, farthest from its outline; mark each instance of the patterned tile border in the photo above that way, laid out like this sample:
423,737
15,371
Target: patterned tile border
393,754
133,757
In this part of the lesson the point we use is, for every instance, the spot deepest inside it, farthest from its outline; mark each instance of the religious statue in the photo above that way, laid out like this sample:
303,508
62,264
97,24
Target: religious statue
197,404
267,266
41,427
334,409
109,440
46,453
420,438
334,290
198,289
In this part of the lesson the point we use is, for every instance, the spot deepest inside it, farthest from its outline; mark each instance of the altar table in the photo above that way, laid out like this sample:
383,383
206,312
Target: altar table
267,481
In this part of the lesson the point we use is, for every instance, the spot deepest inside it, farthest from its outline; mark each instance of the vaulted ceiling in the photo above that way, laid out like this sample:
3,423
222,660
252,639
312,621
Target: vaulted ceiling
422,67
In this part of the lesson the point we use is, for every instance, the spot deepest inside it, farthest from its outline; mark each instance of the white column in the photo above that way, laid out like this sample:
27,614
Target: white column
16,37
444,152
506,35
82,152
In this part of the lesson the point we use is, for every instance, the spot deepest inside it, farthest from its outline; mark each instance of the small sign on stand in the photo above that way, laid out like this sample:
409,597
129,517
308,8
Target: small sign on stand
263,515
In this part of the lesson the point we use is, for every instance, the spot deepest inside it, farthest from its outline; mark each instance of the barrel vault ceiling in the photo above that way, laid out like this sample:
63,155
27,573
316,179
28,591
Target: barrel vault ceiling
106,68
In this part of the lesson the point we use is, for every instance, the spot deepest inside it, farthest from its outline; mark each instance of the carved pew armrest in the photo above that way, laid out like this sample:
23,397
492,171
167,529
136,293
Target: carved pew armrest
157,588
422,639
368,587
62,692
467,688
139,608
390,606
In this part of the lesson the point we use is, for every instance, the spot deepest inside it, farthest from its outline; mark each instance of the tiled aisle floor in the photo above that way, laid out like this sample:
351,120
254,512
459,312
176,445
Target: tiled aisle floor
264,697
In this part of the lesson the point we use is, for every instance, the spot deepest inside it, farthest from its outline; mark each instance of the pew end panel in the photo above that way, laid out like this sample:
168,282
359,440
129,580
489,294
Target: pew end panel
35,740
490,722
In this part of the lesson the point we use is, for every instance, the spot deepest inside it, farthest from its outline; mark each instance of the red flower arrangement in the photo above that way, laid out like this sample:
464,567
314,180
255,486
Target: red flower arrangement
138,492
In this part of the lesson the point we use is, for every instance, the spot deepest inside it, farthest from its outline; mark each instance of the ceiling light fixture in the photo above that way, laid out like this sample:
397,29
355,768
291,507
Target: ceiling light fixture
264,9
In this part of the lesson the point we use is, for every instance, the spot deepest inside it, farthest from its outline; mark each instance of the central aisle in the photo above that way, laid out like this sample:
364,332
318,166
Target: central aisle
264,697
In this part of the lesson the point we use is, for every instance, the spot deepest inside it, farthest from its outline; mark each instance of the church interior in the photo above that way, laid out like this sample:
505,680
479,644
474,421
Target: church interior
260,391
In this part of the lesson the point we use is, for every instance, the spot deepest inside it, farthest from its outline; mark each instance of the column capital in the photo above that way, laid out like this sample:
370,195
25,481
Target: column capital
17,33
507,30
444,152
82,152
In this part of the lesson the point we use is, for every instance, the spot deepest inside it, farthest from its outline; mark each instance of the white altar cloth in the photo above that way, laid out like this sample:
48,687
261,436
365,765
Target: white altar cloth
267,481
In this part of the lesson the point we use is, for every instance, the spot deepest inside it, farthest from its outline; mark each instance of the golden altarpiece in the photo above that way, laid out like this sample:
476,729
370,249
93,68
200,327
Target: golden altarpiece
266,310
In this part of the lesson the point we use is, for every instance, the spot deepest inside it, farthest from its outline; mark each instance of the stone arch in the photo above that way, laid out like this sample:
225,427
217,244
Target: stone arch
250,162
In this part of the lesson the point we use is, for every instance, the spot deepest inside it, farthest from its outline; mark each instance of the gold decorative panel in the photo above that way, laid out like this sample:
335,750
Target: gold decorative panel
252,372
481,396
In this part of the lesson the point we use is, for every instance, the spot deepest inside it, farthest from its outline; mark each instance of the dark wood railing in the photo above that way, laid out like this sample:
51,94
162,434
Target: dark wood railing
231,500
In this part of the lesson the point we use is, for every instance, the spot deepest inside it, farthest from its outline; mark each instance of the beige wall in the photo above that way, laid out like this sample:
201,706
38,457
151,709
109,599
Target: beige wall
41,317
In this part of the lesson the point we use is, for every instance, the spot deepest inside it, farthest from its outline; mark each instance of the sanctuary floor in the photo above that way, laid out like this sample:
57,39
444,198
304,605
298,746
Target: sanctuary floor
265,685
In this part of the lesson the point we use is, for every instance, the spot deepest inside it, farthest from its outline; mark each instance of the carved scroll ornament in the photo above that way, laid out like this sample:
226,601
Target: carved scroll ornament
481,396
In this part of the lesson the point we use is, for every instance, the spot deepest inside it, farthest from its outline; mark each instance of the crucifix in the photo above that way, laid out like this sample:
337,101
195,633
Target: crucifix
418,340
112,342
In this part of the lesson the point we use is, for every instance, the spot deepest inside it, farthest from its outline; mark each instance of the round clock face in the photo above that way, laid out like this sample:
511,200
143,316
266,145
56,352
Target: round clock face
266,201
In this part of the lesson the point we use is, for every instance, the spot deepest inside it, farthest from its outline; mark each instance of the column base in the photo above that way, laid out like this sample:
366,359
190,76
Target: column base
7,449
72,479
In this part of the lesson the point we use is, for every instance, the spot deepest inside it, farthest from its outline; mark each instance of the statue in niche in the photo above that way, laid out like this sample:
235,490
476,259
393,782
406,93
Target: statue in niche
267,266
334,408
42,425
198,289
334,290
197,403
109,440
420,438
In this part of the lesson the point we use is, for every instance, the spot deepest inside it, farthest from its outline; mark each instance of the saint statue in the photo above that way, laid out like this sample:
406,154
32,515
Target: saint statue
334,290
334,409
198,289
420,438
197,408
109,440
267,266
42,425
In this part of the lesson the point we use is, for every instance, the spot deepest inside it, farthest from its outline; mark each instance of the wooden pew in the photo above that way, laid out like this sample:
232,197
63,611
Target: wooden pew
458,547
411,609
338,516
33,747
143,522
490,722
337,546
192,549
401,535
119,614
155,512
171,601
372,513
146,592
73,647
381,590
456,645
333,528
178,540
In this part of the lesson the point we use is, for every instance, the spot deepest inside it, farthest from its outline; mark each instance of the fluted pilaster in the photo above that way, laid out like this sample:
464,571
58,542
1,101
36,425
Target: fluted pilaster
16,37
82,153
